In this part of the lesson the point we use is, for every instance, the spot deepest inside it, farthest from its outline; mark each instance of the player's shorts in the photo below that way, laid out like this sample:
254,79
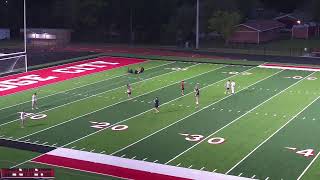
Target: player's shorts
156,105
228,88
182,89
129,93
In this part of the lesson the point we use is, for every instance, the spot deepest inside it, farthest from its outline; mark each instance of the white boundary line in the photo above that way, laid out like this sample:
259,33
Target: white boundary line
180,119
212,70
274,132
138,115
307,168
96,95
60,92
235,120
186,116
168,102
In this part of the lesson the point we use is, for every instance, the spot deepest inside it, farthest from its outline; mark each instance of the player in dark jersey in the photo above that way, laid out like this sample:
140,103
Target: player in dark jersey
129,91
197,93
156,104
182,88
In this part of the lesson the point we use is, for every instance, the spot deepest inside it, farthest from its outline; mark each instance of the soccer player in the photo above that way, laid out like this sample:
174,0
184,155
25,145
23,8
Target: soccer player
22,118
227,87
34,101
156,104
197,93
182,88
129,90
233,86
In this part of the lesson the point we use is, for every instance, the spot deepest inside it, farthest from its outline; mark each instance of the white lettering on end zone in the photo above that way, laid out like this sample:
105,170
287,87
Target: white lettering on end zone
80,68
23,81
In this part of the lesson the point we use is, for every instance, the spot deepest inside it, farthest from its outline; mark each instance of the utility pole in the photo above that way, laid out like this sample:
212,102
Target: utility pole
197,26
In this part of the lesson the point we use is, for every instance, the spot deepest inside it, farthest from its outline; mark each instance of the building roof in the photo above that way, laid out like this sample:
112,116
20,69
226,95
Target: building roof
263,25
291,16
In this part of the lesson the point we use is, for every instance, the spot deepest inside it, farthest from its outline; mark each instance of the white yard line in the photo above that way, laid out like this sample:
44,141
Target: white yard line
235,120
116,104
192,113
60,92
307,168
145,112
271,135
96,95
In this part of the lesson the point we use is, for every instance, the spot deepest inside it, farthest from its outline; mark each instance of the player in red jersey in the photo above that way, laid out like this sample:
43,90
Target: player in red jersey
182,88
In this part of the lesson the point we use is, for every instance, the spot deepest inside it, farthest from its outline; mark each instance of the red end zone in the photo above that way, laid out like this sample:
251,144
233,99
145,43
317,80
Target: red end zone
33,79
123,168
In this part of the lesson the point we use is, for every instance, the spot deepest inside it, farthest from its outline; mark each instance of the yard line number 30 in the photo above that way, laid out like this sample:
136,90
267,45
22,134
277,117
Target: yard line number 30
197,138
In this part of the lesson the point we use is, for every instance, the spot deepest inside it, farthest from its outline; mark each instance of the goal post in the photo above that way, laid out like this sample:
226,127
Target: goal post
9,55
13,64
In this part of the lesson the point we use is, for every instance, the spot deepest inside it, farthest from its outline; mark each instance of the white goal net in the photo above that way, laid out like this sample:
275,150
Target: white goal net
11,65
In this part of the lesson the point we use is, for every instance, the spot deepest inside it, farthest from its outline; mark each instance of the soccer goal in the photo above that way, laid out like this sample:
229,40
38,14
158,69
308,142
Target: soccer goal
13,49
14,64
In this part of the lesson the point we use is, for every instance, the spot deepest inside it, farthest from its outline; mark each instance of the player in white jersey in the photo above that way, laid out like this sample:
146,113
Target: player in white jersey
227,86
22,118
34,101
129,91
233,87
197,94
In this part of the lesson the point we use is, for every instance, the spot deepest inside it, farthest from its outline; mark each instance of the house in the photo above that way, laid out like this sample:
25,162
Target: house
305,31
299,24
289,20
256,31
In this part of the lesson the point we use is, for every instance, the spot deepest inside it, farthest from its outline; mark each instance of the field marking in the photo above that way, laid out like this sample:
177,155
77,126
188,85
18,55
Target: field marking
135,98
190,114
94,96
307,168
193,112
235,120
131,117
61,92
272,135
65,91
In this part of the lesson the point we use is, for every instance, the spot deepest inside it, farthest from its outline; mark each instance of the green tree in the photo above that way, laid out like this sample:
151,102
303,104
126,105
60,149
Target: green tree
224,22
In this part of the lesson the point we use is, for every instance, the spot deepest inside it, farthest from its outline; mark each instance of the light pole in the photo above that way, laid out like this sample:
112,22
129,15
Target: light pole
197,26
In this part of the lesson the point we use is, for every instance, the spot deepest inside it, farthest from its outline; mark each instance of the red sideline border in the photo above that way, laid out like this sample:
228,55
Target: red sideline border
38,78
103,164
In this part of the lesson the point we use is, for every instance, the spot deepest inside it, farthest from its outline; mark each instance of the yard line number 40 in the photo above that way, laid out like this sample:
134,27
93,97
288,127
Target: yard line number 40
305,152
301,77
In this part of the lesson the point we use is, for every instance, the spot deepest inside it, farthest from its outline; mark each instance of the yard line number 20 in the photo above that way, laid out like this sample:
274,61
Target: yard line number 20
103,125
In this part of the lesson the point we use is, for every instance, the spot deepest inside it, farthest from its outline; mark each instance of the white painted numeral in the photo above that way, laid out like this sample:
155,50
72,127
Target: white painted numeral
34,116
301,77
194,138
312,78
119,127
306,152
38,116
197,137
233,72
103,125
216,140
246,73
99,125
297,77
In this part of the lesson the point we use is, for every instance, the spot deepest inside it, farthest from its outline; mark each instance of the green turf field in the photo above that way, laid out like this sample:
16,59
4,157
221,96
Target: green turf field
268,130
